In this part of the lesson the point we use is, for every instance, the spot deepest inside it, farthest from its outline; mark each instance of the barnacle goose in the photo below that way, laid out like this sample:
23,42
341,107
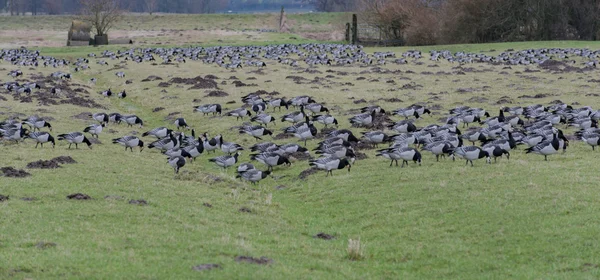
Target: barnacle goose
225,161
94,129
329,164
129,142
75,138
41,138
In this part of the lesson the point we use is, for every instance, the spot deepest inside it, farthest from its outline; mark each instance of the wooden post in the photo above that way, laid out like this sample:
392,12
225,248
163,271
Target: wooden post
354,29
347,32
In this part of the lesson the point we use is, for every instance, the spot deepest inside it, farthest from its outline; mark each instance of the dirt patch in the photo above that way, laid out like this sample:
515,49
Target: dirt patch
164,84
283,136
79,196
82,102
152,78
43,164
361,156
217,93
300,156
11,172
304,174
82,116
477,99
411,86
28,198
45,245
359,101
322,235
537,96
206,266
245,210
3,198
172,116
206,204
381,121
158,109
138,202
248,259
392,100
504,100
211,77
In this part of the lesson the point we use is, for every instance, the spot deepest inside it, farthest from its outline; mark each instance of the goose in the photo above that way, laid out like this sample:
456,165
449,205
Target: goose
122,94
106,93
177,152
14,134
420,110
316,108
404,126
166,143
37,123
41,138
229,147
239,113
496,151
376,137
592,139
301,100
225,161
406,154
406,112
291,148
365,119
325,119
345,134
514,110
120,74
259,107
263,118
181,123
333,141
506,144
471,153
278,103
208,108
270,159
337,151
75,138
584,123
264,147
100,117
305,133
469,118
329,164
132,120
195,150
159,132
129,142
254,175
115,118
372,108
294,117
546,148
245,167
94,129
212,144
177,162
255,131
439,148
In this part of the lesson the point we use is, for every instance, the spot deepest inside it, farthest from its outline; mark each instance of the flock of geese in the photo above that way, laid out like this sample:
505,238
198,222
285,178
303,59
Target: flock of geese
535,126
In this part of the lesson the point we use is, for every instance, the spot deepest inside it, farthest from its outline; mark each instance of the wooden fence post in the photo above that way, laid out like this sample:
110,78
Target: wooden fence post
347,32
354,29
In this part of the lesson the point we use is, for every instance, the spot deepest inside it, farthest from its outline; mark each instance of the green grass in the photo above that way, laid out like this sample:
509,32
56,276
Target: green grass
523,218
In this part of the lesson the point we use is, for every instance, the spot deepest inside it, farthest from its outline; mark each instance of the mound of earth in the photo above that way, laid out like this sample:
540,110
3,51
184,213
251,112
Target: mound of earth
322,235
79,196
152,78
11,172
207,266
311,171
217,93
3,198
138,202
43,164
248,259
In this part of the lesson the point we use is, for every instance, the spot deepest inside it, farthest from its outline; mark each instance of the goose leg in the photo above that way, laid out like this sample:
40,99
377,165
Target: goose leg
471,163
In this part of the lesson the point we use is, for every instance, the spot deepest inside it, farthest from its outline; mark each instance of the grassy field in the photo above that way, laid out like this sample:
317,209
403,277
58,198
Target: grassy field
215,29
522,218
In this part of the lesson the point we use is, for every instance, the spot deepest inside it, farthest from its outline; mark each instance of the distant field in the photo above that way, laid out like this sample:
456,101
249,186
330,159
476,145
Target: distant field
51,31
517,218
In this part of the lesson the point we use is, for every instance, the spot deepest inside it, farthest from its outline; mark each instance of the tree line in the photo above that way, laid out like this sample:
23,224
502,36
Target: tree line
57,7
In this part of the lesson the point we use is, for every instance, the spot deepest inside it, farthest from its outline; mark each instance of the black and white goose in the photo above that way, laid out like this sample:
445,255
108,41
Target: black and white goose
94,129
403,126
316,108
420,110
376,137
159,132
254,175
345,134
496,151
229,147
129,142
14,134
208,108
181,123
294,117
245,167
100,117
372,108
115,118
329,164
592,139
75,138
41,138
365,119
291,148
212,144
225,161
132,120
195,150
471,153
325,119
258,108
305,132
406,112
256,131
166,143
278,103
405,154
546,148
263,118
439,148
239,113
37,123
337,151
122,94
270,159
177,162
106,93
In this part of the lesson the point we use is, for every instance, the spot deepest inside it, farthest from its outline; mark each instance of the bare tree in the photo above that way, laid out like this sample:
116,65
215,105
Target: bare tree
101,14
151,6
